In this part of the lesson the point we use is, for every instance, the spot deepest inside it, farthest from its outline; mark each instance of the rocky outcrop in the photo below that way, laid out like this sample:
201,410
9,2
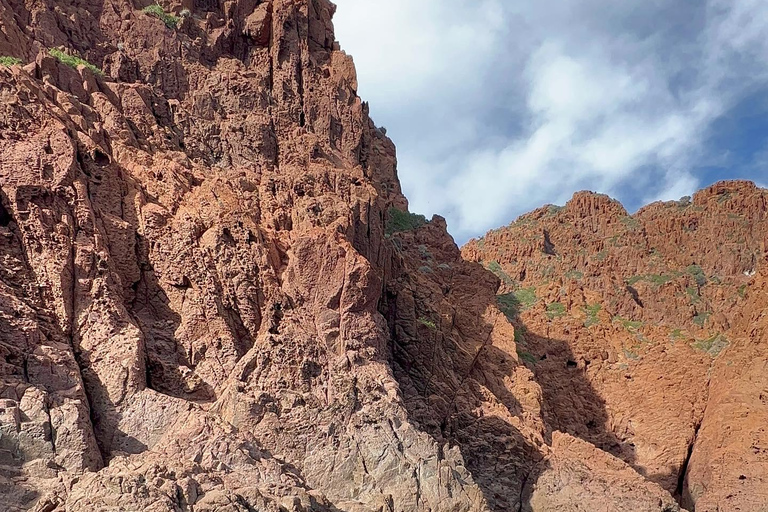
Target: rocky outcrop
631,325
194,255
728,469
213,297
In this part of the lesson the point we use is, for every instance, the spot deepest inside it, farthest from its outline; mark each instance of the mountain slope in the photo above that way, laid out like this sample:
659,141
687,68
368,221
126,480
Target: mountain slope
213,297
628,320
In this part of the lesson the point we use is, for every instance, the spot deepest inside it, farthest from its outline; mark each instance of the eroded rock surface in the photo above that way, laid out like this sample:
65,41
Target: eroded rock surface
642,329
213,298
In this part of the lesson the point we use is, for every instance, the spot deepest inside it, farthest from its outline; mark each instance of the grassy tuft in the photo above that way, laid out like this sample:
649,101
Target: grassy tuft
630,325
701,319
574,274
495,267
403,221
526,356
526,296
9,61
712,345
510,305
698,274
592,311
555,310
73,60
428,323
157,11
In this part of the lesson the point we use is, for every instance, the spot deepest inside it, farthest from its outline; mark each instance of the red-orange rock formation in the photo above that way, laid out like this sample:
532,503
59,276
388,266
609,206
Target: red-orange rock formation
643,332
212,297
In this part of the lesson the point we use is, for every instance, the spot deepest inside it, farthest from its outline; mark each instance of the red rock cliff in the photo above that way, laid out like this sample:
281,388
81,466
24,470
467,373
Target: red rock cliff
212,296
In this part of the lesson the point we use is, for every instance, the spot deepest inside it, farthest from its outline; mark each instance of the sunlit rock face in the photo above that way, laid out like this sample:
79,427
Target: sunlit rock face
644,334
213,298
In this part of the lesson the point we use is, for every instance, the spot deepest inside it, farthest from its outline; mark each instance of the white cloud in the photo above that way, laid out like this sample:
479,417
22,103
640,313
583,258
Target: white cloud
498,109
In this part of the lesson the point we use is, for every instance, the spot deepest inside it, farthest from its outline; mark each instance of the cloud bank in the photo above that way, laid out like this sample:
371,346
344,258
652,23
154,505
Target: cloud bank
497,109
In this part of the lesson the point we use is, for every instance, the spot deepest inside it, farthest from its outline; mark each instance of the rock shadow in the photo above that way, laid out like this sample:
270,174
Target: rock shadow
458,387
570,403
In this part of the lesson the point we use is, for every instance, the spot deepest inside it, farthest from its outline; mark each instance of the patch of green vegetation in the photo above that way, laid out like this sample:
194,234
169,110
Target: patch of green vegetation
698,274
742,291
553,210
712,345
723,197
601,255
630,223
555,310
684,202
510,305
548,271
592,311
693,293
426,269
630,325
659,280
9,61
654,279
676,334
526,296
158,12
701,319
400,221
495,267
632,355
526,356
520,333
73,61
427,322
574,274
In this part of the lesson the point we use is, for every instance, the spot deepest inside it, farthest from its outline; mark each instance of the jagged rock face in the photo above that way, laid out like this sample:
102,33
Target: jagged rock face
641,331
207,302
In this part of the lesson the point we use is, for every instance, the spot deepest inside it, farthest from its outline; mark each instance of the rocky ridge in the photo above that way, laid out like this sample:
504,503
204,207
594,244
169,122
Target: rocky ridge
212,296
629,322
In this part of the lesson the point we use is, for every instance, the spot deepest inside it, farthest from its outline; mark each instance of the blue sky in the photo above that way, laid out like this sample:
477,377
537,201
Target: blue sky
498,107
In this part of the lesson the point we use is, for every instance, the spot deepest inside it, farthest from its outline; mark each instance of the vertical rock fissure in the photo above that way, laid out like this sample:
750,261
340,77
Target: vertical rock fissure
684,468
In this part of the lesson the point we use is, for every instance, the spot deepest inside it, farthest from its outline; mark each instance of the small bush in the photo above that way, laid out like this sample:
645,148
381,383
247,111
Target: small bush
526,356
654,279
592,311
630,223
630,325
526,297
693,293
742,291
495,267
555,310
73,60
701,319
428,323
403,221
574,274
698,274
713,345
510,306
631,354
157,11
9,61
